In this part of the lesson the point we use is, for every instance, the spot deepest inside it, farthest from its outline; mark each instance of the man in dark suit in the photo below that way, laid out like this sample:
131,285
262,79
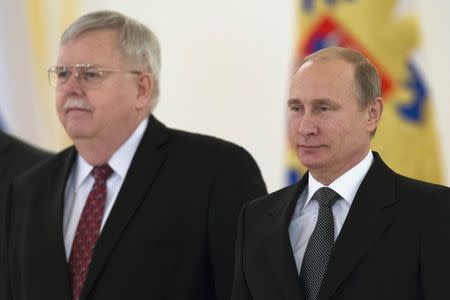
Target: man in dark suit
15,157
134,210
351,228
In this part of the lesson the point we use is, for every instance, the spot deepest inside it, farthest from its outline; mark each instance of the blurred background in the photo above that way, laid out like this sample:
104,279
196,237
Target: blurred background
226,67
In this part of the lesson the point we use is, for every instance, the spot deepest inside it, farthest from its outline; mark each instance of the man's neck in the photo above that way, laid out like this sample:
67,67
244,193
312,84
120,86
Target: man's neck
326,177
97,151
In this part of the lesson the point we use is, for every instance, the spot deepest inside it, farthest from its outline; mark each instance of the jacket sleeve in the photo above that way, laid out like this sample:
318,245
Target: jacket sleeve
237,181
240,289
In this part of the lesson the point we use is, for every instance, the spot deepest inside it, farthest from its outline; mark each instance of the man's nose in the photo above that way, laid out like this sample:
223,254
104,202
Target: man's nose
308,125
73,83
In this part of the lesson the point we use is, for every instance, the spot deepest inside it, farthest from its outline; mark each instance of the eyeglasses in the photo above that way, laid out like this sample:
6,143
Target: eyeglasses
89,76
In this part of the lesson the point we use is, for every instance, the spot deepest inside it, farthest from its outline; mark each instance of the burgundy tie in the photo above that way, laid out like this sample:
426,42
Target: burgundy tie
88,229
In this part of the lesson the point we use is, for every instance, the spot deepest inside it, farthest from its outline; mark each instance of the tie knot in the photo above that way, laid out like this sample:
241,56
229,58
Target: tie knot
326,196
102,172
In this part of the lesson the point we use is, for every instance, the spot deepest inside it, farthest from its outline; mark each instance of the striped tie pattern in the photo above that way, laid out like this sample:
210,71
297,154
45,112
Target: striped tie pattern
320,245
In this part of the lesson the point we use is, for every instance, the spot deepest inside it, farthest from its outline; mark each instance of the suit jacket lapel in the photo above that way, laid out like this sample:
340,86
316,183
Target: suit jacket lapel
143,170
278,248
370,215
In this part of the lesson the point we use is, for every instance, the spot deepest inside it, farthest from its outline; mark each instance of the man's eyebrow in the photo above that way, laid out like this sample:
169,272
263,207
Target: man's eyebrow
293,101
314,101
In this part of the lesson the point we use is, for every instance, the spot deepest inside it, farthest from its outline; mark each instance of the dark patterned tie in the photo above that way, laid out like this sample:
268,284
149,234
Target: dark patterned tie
88,230
320,245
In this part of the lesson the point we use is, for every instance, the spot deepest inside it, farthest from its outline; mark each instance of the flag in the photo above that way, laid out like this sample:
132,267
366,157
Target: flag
387,33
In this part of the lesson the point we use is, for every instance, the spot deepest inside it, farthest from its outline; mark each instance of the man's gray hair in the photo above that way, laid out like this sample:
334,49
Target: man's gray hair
137,42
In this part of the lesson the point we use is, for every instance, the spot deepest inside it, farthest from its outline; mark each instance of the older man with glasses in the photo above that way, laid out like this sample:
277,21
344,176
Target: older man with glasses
134,210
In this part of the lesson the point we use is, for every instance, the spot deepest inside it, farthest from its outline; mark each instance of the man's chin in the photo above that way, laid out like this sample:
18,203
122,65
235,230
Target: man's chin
77,133
311,162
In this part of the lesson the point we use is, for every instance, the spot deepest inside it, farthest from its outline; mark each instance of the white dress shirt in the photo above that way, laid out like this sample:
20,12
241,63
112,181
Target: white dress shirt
80,182
304,218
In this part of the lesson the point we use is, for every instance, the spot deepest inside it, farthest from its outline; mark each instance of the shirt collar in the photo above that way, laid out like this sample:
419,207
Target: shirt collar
120,161
347,184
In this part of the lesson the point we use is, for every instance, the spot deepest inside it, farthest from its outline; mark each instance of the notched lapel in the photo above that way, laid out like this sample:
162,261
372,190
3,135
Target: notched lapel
277,246
371,213
149,158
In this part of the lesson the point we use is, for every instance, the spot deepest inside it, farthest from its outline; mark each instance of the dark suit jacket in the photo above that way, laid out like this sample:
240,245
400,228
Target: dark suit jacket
394,244
170,234
15,157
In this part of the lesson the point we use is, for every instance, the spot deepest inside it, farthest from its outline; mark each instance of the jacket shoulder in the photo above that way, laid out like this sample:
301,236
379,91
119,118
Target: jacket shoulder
201,139
277,200
417,188
206,146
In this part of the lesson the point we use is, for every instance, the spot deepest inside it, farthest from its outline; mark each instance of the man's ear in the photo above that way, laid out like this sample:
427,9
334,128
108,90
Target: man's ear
145,88
374,111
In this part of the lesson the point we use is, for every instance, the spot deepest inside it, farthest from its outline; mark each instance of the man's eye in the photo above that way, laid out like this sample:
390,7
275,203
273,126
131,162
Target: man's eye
63,74
92,75
324,108
295,107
